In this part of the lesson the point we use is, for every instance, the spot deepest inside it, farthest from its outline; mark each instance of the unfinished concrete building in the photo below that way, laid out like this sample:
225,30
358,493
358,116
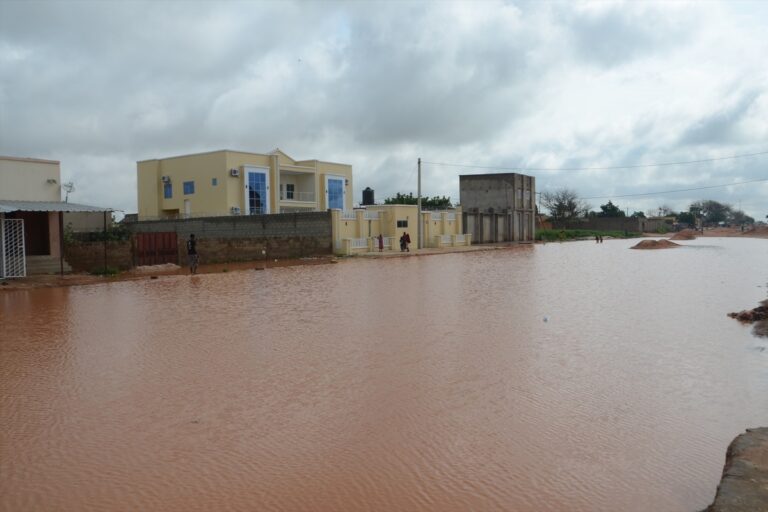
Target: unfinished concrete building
498,207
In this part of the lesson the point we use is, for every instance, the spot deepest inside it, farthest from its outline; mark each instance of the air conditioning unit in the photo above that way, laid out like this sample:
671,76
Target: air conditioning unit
235,210
165,179
235,173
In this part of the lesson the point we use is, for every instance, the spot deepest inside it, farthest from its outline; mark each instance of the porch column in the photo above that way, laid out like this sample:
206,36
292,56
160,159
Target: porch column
61,243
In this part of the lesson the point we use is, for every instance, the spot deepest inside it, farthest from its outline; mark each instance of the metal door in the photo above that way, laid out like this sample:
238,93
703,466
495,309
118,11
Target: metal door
156,248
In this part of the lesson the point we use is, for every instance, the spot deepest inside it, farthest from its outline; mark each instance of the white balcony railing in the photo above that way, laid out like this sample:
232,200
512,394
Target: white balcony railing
368,215
450,216
446,239
359,243
460,238
348,215
436,216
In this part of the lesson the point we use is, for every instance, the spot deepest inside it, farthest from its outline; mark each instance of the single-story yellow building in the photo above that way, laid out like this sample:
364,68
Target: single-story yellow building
357,230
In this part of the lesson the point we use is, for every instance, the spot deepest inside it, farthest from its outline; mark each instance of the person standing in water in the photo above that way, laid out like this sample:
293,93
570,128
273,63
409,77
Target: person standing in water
192,257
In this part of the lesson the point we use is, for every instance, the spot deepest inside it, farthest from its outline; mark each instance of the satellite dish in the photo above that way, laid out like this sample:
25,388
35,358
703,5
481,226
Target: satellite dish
68,187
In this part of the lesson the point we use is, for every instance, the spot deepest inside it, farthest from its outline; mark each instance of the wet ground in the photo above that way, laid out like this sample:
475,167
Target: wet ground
578,377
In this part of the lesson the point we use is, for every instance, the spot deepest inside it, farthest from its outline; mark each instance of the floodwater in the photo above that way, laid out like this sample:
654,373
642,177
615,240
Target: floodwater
562,377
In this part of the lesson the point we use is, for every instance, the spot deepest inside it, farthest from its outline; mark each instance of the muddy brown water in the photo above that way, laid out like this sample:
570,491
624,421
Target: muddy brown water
576,376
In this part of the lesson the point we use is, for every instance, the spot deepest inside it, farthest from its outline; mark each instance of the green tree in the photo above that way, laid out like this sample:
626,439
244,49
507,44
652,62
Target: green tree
738,217
640,215
686,218
610,210
564,203
712,212
428,203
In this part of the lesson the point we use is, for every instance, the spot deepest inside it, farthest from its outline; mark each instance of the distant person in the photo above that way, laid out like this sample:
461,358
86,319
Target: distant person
601,238
192,257
597,239
381,242
407,242
402,242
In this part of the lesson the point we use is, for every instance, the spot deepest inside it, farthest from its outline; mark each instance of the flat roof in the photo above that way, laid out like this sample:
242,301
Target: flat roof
7,206
25,159
495,175
271,153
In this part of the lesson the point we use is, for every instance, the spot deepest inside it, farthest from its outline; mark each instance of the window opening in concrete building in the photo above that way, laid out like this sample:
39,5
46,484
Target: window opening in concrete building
214,182
168,190
289,189
189,188
402,223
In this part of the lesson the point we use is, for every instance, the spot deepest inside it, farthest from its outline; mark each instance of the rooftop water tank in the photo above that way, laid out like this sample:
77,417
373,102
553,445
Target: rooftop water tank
368,196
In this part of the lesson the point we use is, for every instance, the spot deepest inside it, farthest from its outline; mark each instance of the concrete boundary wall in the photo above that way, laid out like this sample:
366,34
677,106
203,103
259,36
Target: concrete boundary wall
631,224
243,237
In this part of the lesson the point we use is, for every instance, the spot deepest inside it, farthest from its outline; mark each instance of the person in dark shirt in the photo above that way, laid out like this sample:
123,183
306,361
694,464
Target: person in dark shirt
192,257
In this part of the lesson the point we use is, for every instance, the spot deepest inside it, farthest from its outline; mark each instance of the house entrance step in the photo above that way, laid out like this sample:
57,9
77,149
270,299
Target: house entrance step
45,265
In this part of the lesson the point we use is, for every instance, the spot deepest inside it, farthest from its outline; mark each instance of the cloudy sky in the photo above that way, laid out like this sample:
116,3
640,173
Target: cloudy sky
101,85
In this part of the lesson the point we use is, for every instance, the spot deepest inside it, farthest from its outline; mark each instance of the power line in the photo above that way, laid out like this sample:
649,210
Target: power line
637,166
677,190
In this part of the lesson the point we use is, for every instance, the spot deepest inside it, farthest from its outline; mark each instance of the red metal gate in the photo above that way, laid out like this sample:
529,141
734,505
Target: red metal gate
156,248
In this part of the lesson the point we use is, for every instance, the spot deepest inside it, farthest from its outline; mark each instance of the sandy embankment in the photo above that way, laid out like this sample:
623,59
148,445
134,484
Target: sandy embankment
757,316
655,244
686,234
744,485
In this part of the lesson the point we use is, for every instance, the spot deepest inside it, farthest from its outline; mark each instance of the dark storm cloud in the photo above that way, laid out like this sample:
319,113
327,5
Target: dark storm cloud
617,33
722,125
99,85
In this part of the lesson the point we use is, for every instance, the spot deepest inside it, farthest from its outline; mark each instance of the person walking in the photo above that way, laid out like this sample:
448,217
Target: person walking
407,242
381,243
402,242
192,257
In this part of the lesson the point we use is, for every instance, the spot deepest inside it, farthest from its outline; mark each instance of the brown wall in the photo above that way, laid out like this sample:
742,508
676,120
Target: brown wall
222,250
89,256
243,237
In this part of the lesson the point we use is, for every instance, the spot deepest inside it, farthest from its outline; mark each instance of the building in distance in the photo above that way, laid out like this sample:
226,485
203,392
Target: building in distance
498,207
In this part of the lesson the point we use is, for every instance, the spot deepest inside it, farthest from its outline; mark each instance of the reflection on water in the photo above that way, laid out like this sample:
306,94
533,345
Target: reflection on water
573,376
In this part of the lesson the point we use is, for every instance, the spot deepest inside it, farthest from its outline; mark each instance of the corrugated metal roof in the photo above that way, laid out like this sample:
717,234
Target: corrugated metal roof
7,206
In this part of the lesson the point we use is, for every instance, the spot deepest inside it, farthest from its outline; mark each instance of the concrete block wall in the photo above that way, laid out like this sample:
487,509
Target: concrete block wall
89,256
243,237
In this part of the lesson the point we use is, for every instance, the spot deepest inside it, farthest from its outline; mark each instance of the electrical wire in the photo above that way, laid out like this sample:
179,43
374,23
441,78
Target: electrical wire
677,190
616,167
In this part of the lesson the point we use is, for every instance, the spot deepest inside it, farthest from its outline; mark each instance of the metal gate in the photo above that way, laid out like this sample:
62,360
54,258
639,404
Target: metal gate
12,260
156,248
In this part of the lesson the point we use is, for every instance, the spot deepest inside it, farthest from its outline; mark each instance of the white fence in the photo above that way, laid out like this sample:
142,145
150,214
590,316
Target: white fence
12,261
348,215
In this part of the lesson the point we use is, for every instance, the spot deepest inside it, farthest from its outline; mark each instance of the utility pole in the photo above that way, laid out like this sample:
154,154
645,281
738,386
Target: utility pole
418,207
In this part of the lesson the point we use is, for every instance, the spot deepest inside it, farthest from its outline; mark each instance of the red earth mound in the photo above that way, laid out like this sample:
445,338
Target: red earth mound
686,234
655,244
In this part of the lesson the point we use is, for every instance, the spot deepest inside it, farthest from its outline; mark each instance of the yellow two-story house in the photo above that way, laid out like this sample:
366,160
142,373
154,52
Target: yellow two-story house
229,182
